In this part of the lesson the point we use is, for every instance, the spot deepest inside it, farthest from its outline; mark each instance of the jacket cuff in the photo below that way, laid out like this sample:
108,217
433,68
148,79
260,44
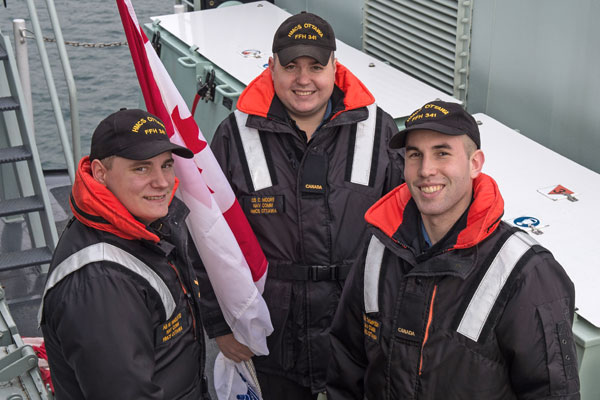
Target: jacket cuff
215,325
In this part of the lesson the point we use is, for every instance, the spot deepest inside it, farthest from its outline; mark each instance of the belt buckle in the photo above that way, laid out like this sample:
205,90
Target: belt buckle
334,273
316,274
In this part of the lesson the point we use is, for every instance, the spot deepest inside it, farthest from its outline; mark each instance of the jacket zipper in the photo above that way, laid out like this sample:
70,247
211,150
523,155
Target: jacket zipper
187,296
429,319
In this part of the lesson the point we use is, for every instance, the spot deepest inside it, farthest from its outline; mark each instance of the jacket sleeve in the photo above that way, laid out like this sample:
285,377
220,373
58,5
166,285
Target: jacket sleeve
212,317
345,375
395,169
535,332
107,338
221,145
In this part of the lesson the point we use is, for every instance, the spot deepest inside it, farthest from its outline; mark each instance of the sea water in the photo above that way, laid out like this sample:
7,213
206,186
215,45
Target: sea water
104,77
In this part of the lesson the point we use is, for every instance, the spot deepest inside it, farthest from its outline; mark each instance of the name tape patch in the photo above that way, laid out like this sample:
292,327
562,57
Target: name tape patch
371,328
172,328
264,205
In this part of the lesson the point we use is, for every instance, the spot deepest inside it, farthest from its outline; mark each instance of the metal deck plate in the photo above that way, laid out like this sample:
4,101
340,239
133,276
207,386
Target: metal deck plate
13,154
21,205
8,104
24,258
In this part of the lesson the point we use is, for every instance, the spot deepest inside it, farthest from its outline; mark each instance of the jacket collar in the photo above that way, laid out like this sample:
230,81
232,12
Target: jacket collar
97,207
259,95
396,216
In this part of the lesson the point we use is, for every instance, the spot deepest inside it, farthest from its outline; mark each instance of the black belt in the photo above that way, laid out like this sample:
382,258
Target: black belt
296,272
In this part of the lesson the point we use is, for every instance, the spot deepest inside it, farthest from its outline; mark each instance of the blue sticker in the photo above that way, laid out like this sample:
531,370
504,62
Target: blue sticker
526,222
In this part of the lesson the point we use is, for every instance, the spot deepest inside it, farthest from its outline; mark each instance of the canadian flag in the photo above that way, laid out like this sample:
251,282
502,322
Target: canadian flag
234,261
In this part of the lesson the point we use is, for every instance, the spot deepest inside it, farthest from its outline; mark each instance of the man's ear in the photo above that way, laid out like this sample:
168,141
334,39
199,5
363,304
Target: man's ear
99,171
271,64
477,161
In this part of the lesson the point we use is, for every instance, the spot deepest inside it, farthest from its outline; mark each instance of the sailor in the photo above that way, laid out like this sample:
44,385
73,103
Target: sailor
120,313
447,301
306,153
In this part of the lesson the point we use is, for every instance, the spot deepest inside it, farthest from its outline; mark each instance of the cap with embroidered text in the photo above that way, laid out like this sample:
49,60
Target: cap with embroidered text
304,34
440,116
133,134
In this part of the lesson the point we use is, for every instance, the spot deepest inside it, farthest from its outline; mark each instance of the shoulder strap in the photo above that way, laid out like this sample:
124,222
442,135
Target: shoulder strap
108,252
363,149
373,262
254,153
481,304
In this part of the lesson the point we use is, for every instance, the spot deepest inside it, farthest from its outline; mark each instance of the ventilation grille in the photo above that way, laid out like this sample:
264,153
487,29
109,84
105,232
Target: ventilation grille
428,39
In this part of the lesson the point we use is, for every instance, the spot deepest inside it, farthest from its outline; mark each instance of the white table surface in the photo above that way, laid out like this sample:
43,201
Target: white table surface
525,171
223,34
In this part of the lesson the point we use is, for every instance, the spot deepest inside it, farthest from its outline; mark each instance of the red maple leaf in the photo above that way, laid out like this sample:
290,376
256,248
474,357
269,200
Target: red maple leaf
189,131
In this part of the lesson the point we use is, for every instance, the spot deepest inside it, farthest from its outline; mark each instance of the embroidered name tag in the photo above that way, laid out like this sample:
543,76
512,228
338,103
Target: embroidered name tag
371,328
172,328
264,205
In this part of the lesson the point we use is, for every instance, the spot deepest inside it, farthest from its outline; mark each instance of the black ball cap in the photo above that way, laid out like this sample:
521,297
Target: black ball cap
133,134
304,34
439,116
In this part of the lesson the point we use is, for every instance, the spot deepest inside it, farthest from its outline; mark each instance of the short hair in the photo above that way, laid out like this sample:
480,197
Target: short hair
470,146
108,162
332,57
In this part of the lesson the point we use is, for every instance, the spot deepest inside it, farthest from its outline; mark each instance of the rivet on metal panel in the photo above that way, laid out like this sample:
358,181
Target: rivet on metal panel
371,65
462,70
466,3
464,54
464,37
462,87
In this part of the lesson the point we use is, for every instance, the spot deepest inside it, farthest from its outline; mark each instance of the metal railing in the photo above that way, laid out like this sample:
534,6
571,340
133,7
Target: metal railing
191,4
70,153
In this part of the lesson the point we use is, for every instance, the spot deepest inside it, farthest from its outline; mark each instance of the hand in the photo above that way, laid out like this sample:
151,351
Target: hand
233,349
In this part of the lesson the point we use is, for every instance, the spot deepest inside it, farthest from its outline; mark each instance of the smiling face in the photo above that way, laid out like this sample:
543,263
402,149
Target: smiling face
304,86
439,171
143,187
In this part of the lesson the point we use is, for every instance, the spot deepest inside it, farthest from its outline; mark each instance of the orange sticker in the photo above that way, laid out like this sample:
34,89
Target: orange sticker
560,189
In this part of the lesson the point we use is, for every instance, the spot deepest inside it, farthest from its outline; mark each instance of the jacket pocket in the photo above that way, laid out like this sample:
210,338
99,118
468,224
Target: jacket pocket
560,346
278,296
